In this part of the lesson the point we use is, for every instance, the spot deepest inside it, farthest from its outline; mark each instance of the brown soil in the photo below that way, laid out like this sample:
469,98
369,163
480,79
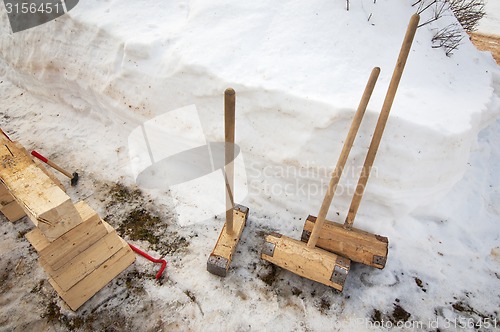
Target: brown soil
489,43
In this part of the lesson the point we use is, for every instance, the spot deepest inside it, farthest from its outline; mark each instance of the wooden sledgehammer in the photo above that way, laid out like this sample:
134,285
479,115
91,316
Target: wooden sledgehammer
307,260
73,177
219,261
355,244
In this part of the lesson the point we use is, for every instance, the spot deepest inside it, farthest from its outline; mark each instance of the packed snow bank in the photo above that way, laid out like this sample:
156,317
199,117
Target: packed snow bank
490,23
87,81
299,70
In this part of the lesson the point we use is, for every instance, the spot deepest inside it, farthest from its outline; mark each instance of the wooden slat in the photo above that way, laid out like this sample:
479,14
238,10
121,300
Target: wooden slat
355,244
222,255
95,281
61,251
86,262
12,211
5,196
44,202
51,175
75,241
40,165
40,242
312,263
37,240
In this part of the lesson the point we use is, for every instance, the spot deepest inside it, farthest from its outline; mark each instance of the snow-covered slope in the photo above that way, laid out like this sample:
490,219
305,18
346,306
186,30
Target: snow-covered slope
490,23
298,69
79,86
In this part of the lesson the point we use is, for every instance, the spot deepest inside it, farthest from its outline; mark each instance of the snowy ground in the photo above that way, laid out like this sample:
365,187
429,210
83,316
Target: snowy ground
491,21
76,88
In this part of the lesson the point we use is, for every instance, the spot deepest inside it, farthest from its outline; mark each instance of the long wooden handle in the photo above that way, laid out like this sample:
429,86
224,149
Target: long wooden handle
332,186
229,120
51,164
382,120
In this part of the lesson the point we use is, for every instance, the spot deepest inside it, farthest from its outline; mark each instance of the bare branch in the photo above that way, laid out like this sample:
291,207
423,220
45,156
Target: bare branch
449,38
467,12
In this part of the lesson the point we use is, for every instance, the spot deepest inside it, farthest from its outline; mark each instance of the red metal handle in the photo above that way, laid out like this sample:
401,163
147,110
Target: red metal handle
154,260
39,156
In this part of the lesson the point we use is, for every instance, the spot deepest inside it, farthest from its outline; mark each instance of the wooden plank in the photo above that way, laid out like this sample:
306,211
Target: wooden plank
5,196
13,211
220,259
37,239
80,293
40,242
77,240
40,165
51,175
86,262
312,263
3,139
355,244
44,202
10,209
85,211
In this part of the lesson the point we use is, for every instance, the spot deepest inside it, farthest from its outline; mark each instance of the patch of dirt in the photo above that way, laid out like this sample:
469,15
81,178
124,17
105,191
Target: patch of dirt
115,313
134,216
398,314
192,297
5,276
134,281
54,316
464,307
376,316
140,225
486,42
420,284
324,306
270,276
38,287
296,291
122,194
465,316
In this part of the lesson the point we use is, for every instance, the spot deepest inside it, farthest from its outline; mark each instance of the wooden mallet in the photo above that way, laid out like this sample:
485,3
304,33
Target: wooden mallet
356,244
307,260
236,215
73,177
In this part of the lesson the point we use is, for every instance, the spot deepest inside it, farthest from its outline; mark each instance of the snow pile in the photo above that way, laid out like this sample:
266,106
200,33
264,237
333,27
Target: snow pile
490,23
298,69
94,79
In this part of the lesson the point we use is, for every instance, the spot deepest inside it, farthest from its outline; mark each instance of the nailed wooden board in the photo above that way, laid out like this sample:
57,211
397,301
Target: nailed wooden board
50,209
61,251
222,254
80,293
40,165
86,262
312,263
51,175
12,211
37,240
5,196
355,244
